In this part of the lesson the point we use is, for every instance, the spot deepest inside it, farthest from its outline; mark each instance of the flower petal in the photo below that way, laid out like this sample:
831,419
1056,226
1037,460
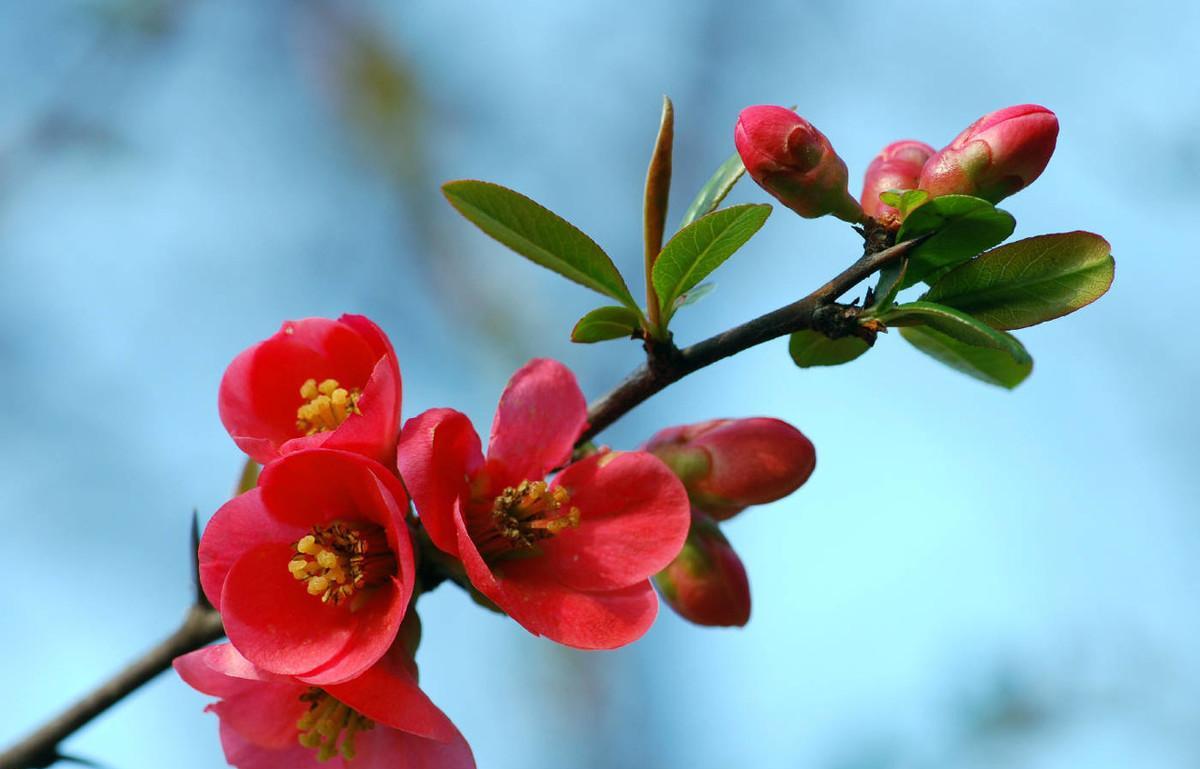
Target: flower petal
239,525
388,693
244,754
584,620
546,607
383,748
542,412
277,625
260,390
634,517
438,450
260,707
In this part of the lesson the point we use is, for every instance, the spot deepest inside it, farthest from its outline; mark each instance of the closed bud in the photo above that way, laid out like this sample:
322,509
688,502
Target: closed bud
999,154
793,161
897,167
706,583
729,464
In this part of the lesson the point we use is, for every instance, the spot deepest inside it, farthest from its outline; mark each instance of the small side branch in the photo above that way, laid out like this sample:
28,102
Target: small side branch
200,627
817,311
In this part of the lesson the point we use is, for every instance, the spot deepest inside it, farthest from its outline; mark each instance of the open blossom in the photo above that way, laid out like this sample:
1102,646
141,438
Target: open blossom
569,559
312,571
317,382
997,155
897,167
379,720
730,464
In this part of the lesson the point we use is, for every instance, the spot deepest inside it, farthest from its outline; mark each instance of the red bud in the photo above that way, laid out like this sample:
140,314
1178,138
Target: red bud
897,167
706,583
999,154
793,161
729,464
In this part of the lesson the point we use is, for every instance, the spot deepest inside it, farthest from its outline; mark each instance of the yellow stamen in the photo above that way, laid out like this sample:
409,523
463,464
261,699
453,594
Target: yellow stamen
330,726
522,515
326,405
336,560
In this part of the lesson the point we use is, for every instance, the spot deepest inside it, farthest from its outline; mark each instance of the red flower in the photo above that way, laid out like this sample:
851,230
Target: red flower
569,560
317,382
313,570
379,720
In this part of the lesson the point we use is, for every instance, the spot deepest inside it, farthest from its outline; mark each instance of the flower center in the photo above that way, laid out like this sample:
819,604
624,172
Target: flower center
521,516
326,405
330,726
336,561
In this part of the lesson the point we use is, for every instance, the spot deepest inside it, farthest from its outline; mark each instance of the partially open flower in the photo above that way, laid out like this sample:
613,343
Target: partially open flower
379,720
997,155
897,167
317,382
706,583
569,559
789,158
312,570
730,464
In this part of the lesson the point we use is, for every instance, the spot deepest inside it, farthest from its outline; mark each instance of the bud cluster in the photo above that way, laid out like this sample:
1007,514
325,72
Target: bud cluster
726,465
999,154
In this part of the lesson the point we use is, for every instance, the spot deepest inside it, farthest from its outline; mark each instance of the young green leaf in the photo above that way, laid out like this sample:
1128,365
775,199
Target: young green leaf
910,200
986,364
538,234
962,226
1030,281
701,247
606,323
654,205
812,348
955,324
715,190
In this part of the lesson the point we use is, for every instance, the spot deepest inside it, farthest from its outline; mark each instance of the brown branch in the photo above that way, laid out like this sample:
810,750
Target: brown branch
200,627
816,311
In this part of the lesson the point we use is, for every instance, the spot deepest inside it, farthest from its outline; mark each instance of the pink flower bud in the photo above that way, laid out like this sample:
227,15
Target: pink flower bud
728,464
999,154
793,161
897,167
706,583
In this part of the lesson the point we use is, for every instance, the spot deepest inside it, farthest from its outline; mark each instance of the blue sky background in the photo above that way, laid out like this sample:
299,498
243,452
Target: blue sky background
972,578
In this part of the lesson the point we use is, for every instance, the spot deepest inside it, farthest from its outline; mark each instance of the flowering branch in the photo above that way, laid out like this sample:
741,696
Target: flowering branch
666,365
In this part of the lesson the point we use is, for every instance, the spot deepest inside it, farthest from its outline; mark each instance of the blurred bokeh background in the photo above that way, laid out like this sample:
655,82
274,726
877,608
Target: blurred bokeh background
972,578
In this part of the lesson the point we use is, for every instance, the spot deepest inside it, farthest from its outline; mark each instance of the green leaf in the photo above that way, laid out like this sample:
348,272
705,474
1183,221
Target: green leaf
714,190
962,226
695,295
812,348
606,323
658,183
701,247
890,198
955,324
538,234
985,364
910,200
1030,281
